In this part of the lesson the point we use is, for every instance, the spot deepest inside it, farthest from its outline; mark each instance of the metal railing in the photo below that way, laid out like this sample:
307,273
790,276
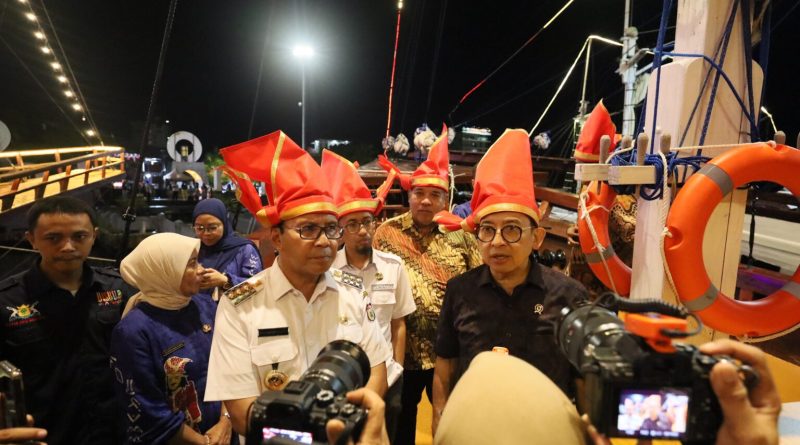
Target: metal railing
22,178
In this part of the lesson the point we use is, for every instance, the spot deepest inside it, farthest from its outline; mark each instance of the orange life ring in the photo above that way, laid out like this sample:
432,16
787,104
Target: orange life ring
687,223
598,206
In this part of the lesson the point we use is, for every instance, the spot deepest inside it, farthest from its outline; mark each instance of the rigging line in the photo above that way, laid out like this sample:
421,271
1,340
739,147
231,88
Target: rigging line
786,15
130,212
260,73
561,86
442,13
514,54
72,74
394,67
511,99
52,99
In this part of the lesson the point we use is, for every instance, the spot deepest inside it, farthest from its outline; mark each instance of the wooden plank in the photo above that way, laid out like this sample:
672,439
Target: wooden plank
557,197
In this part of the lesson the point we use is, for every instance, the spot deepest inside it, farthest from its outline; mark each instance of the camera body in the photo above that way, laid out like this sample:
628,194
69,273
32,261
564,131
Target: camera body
12,408
637,382
299,412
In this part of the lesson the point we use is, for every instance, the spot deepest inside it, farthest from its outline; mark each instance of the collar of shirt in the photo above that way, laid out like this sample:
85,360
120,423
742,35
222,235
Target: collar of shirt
533,278
340,262
37,282
281,286
407,225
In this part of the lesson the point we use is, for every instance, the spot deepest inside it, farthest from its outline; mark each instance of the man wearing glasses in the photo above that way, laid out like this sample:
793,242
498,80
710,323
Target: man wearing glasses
431,257
510,302
387,292
271,327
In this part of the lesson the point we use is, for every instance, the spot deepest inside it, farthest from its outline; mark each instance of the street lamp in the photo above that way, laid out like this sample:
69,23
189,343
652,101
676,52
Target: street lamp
303,52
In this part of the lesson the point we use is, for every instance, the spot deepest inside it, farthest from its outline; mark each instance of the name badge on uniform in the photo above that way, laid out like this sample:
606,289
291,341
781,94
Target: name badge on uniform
539,308
382,286
273,332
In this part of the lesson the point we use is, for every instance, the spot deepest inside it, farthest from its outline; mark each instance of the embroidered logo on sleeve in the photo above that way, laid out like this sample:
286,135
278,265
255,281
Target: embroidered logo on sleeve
538,309
348,279
23,314
109,297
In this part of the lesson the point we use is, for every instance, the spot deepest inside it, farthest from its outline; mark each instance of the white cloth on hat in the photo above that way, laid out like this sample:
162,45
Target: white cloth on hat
156,267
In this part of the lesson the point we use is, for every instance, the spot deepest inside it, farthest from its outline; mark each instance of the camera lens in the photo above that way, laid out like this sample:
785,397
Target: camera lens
341,366
587,327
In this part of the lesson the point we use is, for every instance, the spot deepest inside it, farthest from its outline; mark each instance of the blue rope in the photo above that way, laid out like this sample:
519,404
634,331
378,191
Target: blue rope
662,30
724,77
748,65
725,39
655,191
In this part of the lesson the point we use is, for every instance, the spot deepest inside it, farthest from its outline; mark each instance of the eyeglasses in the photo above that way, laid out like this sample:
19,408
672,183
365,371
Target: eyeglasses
313,231
510,233
355,226
199,228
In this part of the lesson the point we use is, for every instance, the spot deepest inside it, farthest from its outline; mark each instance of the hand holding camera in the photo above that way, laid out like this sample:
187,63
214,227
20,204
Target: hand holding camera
374,432
750,415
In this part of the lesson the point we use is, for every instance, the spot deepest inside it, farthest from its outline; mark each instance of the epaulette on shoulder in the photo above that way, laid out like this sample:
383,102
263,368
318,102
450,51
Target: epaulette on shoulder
9,282
243,291
108,271
348,279
388,256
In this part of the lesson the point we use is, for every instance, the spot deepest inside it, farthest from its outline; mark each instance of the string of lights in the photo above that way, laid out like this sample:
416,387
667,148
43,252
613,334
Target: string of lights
62,73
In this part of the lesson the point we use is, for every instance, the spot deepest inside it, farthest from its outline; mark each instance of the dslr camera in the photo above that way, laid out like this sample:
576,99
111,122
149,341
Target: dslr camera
638,383
299,412
12,396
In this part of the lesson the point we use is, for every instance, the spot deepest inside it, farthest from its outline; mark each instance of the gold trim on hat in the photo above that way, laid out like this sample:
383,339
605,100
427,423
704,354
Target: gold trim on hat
274,169
371,204
313,207
506,207
583,156
429,182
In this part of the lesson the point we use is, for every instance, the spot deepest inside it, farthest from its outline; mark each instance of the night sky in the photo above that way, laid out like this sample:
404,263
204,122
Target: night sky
215,49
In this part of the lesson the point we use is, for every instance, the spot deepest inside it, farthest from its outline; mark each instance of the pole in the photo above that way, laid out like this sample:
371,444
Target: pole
629,37
303,104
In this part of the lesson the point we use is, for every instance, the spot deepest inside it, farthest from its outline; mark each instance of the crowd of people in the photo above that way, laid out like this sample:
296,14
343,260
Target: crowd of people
175,347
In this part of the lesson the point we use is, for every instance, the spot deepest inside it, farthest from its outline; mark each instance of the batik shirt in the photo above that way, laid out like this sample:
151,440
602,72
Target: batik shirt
431,260
160,360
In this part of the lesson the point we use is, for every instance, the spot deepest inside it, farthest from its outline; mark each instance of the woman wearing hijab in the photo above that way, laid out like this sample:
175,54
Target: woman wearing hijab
160,348
228,259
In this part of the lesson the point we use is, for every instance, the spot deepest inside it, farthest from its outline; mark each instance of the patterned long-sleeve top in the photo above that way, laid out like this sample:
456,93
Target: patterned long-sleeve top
431,260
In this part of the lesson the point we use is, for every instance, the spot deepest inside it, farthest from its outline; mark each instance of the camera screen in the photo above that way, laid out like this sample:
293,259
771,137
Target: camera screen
297,436
657,412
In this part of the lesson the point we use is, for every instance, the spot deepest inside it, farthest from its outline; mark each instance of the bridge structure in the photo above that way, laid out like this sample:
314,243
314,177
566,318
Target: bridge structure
30,175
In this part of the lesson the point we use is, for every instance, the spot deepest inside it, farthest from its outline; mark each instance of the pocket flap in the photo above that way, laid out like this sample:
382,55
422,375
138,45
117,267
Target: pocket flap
273,351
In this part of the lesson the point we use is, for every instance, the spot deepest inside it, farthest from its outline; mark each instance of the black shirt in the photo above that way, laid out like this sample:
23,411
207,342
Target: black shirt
61,343
477,315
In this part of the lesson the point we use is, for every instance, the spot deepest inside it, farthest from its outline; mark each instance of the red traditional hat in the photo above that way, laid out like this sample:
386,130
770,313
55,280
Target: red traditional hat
503,183
349,191
597,125
295,184
434,172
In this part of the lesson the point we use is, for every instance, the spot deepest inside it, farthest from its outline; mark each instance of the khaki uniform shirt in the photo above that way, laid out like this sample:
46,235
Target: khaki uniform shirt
388,293
276,329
